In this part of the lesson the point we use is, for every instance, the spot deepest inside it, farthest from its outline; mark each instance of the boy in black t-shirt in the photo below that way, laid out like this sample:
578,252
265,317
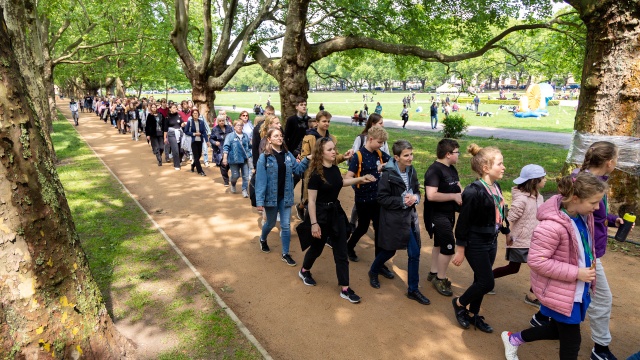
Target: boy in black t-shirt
444,196
368,160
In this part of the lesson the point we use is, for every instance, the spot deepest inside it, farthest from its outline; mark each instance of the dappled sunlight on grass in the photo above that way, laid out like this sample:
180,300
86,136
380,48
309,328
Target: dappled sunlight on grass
138,273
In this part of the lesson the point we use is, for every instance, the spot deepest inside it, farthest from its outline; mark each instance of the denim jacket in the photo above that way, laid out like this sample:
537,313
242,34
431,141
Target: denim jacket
267,179
238,151
190,130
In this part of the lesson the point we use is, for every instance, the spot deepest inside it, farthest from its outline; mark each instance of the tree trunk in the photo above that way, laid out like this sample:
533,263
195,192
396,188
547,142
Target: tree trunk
120,90
610,93
49,302
490,82
423,82
203,98
293,83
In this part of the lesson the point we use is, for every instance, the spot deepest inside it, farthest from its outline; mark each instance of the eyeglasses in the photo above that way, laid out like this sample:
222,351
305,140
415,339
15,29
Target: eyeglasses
455,152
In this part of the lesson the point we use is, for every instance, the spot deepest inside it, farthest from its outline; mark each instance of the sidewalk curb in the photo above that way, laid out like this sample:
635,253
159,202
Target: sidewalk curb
247,333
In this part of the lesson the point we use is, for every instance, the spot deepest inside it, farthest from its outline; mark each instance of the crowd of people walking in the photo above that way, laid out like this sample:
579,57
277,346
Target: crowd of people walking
562,239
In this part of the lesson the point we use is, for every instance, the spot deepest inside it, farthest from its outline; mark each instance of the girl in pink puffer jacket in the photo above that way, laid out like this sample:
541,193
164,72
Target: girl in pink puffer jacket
562,265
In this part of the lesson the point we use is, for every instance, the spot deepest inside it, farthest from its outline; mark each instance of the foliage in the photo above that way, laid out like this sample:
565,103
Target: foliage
455,126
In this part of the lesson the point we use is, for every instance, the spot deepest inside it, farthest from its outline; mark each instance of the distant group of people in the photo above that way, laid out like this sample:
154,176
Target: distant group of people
562,239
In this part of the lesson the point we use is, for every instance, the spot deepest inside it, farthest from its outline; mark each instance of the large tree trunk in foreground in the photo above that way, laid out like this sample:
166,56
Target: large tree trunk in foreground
203,98
610,94
49,304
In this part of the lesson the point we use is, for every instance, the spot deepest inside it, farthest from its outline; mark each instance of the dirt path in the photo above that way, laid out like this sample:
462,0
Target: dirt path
293,321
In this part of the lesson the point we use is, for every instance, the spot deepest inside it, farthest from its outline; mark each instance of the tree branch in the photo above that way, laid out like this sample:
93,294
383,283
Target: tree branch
341,43
179,36
96,59
85,47
61,30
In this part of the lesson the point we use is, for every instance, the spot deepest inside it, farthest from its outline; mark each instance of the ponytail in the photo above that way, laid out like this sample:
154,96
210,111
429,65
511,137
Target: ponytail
598,153
583,186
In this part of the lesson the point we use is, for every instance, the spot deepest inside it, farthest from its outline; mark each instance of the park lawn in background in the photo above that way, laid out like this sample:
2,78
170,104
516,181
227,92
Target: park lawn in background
136,269
516,154
561,118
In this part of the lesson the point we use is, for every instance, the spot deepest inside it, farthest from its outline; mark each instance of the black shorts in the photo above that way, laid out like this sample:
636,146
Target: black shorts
443,233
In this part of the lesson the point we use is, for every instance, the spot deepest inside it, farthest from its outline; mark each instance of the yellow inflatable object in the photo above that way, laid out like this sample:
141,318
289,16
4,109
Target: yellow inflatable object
534,96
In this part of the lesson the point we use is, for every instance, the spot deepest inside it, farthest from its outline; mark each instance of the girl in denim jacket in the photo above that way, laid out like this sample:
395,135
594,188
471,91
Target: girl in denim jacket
274,189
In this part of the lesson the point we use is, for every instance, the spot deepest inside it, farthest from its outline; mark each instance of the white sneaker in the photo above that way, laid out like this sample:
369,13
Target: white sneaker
245,193
177,169
233,190
510,351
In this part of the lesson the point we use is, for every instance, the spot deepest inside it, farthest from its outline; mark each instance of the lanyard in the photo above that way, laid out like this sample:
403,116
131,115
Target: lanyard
584,237
496,199
605,199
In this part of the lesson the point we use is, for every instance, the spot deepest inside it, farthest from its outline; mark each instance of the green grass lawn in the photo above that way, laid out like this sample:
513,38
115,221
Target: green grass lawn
516,153
128,256
561,118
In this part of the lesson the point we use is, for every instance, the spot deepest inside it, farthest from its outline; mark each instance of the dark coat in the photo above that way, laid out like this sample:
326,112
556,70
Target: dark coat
150,126
396,220
477,219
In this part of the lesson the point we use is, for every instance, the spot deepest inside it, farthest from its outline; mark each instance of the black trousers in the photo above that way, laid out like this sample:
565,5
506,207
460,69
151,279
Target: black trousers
157,145
339,243
480,256
224,171
367,212
196,150
568,334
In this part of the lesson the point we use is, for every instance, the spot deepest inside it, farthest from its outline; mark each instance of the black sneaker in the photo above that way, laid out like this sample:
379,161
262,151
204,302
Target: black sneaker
431,276
479,324
373,280
288,259
602,355
460,313
328,243
264,247
384,271
306,278
417,296
352,256
300,212
350,295
539,320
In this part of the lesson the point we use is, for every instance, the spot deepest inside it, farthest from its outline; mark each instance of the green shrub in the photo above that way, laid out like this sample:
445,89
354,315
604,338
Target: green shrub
454,126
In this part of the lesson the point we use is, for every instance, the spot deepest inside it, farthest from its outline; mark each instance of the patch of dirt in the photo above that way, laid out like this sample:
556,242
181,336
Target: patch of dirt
219,232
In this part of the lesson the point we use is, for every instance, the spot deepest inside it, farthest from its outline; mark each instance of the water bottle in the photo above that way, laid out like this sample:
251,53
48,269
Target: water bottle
623,230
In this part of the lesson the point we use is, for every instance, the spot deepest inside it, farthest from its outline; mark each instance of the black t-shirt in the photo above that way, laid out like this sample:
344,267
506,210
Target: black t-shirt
282,171
327,191
446,179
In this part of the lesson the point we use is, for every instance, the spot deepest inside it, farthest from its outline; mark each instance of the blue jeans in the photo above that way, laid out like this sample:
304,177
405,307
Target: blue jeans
205,152
413,251
235,174
434,125
285,216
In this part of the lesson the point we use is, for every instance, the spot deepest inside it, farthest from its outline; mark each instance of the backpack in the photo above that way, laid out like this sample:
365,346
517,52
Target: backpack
359,156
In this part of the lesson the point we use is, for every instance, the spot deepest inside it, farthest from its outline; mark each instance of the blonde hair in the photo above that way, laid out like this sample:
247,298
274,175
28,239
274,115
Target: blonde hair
267,124
482,157
238,122
584,185
377,132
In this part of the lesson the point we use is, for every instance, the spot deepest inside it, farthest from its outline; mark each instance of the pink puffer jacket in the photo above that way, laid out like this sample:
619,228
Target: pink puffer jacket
553,257
522,217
